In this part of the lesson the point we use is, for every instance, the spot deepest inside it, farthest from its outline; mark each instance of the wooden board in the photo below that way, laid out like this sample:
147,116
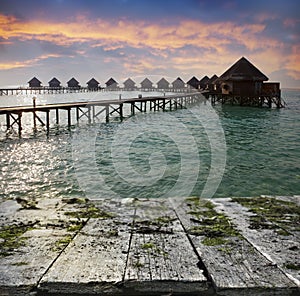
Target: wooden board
94,262
236,265
280,250
161,259
21,271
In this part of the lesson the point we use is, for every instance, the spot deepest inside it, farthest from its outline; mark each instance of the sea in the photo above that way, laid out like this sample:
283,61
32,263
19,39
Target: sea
203,150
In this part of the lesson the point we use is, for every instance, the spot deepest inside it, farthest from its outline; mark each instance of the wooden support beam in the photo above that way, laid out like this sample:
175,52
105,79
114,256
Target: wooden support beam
20,123
57,115
69,117
107,113
48,121
8,121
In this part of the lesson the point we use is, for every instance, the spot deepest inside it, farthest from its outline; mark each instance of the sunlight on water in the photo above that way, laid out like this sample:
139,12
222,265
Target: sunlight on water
263,153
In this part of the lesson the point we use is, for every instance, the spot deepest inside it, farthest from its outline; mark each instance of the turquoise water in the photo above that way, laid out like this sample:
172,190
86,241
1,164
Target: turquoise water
160,154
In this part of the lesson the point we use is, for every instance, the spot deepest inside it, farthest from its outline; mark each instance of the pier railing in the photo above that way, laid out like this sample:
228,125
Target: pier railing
91,110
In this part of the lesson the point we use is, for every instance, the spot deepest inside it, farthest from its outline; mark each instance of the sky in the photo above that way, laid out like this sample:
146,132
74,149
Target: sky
141,38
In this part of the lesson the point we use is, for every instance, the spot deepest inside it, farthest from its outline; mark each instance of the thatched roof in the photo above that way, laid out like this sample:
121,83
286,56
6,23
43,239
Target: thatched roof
204,80
243,70
129,81
146,80
163,80
213,79
146,83
73,81
110,81
194,82
54,81
34,80
93,81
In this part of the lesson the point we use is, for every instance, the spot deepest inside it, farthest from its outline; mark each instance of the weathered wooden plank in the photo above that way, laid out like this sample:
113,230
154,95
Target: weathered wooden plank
32,235
280,245
161,259
233,264
94,262
21,270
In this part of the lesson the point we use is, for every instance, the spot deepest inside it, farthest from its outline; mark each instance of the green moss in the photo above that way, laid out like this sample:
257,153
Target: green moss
272,213
147,246
90,211
214,241
20,263
293,266
76,227
138,264
10,238
63,242
75,200
216,228
27,204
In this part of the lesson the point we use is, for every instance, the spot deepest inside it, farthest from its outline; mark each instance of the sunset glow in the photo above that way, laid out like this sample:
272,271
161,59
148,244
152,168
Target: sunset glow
90,43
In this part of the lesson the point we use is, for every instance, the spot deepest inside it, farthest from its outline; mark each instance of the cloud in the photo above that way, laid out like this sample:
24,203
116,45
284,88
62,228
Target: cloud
142,46
27,63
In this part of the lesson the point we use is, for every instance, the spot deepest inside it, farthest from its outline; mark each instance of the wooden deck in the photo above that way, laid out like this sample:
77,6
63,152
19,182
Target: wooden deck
91,110
169,246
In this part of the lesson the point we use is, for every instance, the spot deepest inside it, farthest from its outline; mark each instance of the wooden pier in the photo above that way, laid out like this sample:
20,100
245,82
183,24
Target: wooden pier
91,110
251,101
180,246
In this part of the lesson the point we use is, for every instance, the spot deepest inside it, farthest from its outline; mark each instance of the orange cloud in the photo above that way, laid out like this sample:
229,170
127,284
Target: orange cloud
134,33
293,62
28,63
158,38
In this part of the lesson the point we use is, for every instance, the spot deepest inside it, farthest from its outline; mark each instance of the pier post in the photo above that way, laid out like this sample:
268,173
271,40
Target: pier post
89,114
34,116
57,115
7,121
107,113
77,114
121,111
20,123
69,117
48,121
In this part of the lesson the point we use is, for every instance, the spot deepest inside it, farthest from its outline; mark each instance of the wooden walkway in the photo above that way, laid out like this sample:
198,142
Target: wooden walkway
242,246
91,110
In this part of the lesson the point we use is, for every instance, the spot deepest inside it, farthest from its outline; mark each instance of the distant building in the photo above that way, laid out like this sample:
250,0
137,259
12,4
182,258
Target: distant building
129,84
212,84
111,83
34,82
93,84
203,82
163,84
146,84
242,79
193,83
54,82
73,83
178,83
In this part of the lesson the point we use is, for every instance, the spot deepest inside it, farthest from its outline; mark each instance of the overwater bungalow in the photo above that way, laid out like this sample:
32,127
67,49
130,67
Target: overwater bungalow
212,84
163,84
193,83
93,84
146,84
73,83
34,82
54,82
111,84
242,78
203,82
178,83
129,84
244,84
